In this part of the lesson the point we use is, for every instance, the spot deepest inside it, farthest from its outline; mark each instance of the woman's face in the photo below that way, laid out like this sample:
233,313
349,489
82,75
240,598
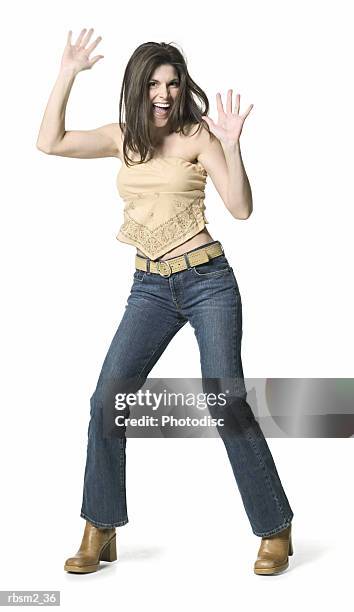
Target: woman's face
163,88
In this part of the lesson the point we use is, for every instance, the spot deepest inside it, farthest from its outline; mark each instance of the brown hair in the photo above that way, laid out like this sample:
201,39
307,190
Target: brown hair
135,93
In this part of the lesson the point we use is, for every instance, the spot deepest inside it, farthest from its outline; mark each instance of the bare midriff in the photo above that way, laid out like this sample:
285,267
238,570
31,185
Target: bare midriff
198,240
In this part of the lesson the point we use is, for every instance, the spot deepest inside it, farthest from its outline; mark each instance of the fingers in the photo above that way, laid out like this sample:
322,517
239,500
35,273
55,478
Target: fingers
83,39
247,111
95,59
219,105
237,103
80,37
208,120
87,37
229,101
94,44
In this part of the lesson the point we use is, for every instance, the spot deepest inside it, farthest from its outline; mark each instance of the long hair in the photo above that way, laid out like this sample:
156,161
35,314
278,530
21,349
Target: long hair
135,94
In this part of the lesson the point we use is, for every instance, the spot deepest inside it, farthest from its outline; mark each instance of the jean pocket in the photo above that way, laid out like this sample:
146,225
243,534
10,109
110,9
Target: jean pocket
214,267
139,275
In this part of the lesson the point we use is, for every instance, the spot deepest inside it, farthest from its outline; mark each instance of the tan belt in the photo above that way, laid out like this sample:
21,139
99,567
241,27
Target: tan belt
176,264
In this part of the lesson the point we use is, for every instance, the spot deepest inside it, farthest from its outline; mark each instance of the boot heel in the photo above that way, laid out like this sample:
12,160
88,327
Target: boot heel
109,552
290,546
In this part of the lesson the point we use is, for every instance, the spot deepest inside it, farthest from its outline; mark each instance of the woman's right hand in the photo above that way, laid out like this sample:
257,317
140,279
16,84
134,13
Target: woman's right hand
76,57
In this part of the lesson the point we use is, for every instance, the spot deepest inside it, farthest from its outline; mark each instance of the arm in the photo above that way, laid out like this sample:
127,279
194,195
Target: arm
238,186
53,138
225,167
222,158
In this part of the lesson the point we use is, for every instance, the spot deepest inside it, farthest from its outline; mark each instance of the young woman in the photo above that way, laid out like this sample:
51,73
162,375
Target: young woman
168,146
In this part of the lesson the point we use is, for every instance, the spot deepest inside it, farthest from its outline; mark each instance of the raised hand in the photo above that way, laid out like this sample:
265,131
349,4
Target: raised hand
229,126
76,57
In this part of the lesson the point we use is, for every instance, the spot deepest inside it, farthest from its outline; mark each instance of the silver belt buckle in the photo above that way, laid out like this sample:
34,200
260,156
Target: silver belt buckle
165,267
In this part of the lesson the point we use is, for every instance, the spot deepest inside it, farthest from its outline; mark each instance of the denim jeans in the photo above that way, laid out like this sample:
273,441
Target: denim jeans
208,297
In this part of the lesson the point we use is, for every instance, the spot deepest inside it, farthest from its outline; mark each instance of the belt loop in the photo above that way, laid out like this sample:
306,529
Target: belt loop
148,266
186,259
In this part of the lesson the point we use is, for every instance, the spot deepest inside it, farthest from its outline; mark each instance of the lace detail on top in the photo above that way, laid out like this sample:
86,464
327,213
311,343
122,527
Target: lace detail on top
164,204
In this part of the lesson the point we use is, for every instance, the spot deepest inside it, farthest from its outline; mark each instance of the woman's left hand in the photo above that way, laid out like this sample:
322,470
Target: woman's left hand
229,126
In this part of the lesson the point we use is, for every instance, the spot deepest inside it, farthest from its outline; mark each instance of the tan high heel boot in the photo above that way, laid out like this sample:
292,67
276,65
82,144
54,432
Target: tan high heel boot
96,545
273,553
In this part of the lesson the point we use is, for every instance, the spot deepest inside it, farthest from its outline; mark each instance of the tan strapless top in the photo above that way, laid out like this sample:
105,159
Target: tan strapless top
164,203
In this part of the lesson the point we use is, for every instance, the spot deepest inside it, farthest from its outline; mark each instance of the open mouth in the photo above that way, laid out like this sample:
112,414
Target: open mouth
161,110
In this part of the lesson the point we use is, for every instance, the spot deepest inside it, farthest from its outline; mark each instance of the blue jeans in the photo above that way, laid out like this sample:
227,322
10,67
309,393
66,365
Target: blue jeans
207,296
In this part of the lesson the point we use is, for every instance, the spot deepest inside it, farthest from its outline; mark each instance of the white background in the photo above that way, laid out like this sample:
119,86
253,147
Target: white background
65,281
